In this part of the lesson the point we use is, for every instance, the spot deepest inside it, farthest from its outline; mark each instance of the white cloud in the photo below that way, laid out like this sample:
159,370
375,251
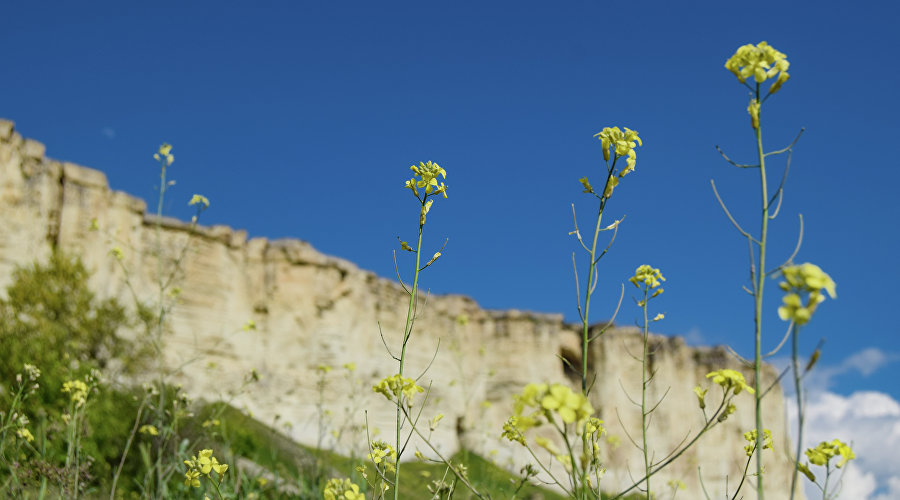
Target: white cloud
108,132
868,420
855,485
867,361
893,490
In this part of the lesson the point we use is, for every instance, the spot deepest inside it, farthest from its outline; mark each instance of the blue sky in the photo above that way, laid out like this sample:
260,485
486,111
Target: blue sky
301,120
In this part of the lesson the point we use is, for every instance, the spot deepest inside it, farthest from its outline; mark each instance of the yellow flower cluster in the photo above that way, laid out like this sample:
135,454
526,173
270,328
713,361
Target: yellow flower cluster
825,451
394,386
199,199
25,434
760,61
803,279
548,399
623,144
150,430
342,489
676,484
751,436
78,390
512,431
427,173
649,277
383,456
164,154
22,431
730,379
204,463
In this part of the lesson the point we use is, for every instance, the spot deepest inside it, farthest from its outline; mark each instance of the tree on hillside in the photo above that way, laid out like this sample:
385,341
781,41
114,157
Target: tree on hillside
52,320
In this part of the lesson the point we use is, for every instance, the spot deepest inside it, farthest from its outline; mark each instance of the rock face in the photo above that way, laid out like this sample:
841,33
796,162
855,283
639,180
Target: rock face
311,309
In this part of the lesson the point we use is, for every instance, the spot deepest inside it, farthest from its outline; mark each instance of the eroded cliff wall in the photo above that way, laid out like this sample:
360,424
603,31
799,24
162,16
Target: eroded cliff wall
311,309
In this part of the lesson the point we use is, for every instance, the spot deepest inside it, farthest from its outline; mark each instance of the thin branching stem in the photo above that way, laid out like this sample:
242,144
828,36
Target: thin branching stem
738,165
798,389
728,213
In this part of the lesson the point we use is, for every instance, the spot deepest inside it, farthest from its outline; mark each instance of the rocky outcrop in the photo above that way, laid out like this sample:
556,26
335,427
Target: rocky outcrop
311,309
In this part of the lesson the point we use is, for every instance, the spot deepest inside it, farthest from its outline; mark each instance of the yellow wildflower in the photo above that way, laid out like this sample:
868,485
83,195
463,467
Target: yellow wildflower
394,386
761,62
25,434
512,432
384,454
648,276
807,279
78,390
205,463
342,489
751,436
622,143
825,451
192,478
570,406
149,430
164,154
730,379
199,199
427,173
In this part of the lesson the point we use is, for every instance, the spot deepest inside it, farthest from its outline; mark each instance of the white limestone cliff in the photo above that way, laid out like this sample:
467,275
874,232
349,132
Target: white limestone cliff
312,309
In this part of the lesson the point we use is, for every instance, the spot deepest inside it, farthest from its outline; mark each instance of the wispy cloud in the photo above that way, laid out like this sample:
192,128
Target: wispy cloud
865,363
108,132
694,337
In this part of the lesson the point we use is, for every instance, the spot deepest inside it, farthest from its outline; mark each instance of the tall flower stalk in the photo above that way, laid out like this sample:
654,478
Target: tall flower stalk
648,280
424,185
617,145
166,404
760,62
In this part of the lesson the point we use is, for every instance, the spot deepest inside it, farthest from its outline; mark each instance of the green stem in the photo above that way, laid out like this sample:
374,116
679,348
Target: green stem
585,320
743,478
644,383
827,477
216,486
760,282
160,409
407,331
134,430
587,305
8,423
798,389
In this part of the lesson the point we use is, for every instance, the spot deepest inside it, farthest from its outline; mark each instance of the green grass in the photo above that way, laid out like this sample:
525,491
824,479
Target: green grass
307,468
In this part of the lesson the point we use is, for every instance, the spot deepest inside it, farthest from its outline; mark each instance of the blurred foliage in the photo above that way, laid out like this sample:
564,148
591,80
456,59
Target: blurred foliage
50,319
